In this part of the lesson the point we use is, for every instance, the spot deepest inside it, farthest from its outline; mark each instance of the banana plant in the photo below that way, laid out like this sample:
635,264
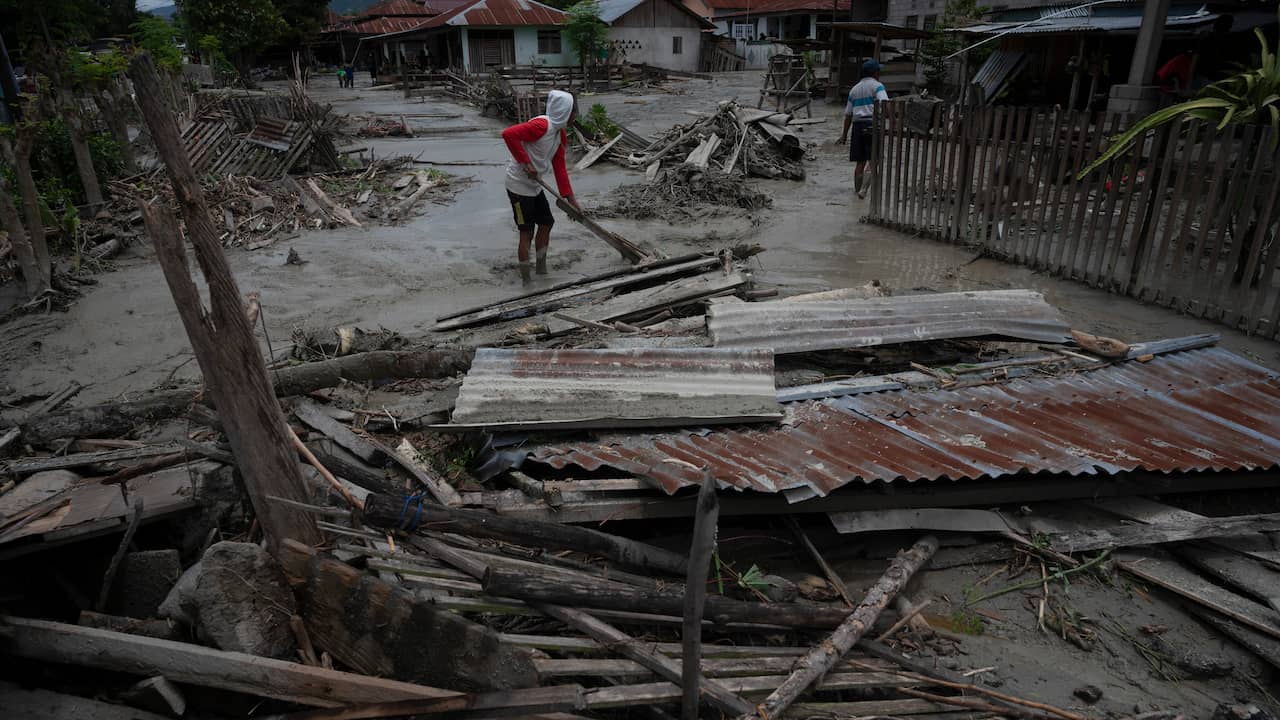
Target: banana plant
1251,96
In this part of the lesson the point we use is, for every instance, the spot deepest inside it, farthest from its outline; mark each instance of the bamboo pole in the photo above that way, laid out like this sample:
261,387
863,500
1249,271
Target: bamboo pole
821,658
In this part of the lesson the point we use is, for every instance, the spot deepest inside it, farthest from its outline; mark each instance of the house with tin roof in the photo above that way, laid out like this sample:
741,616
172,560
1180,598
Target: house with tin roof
664,33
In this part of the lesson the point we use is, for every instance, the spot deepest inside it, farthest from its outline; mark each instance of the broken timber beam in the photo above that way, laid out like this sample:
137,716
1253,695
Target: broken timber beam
198,665
311,414
382,629
221,337
503,582
1165,532
813,666
390,512
700,552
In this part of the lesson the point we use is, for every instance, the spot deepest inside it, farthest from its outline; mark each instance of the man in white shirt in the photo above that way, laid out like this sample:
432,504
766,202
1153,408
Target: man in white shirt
858,114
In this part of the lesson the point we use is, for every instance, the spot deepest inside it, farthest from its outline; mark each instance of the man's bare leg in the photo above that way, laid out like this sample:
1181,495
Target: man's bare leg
522,254
541,243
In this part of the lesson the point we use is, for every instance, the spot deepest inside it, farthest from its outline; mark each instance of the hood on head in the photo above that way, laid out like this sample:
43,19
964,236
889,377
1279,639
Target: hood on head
559,107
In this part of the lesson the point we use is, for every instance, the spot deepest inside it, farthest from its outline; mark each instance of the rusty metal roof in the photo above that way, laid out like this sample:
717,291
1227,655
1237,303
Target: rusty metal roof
647,387
789,327
1203,409
766,7
497,13
398,7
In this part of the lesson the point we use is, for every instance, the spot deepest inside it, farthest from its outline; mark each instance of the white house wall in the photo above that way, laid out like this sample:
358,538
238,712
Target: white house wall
653,46
527,49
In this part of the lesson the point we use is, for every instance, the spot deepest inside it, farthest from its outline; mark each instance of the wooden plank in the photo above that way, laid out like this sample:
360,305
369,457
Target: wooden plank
1242,307
1048,160
1095,250
1110,272
1048,235
1144,510
1260,644
406,456
1266,289
865,709
596,153
1239,572
1191,276
935,173
1001,227
1160,533
988,157
650,300
311,414
1174,577
1185,202
715,667
878,167
28,466
1224,287
1070,266
1140,236
38,704
943,217
897,123
528,304
1026,186
198,665
1164,221
1072,198
1220,221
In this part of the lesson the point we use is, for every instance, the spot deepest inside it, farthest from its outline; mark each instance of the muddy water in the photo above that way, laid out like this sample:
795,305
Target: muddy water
124,336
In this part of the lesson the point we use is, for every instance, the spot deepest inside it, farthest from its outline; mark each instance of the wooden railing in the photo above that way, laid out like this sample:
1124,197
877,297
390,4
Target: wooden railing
1187,218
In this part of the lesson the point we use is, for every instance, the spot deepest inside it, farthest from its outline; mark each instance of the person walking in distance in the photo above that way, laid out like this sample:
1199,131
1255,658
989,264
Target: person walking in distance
537,150
858,114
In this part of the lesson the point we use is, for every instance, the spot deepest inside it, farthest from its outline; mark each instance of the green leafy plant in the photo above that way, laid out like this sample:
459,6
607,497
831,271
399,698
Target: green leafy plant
941,44
967,621
753,579
585,32
1251,96
155,35
598,123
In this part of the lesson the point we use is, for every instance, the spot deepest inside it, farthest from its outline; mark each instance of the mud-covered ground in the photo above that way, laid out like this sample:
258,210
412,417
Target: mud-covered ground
124,336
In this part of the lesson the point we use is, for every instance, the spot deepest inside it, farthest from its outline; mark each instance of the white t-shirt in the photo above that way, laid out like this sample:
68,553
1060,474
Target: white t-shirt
863,98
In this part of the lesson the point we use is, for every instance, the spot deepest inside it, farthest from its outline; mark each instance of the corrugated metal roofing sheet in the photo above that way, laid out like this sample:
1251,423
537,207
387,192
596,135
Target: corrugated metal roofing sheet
500,13
1097,19
1197,410
616,388
385,25
765,7
829,325
397,7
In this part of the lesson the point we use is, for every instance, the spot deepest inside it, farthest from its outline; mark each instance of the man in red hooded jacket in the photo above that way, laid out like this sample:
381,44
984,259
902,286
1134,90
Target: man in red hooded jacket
537,149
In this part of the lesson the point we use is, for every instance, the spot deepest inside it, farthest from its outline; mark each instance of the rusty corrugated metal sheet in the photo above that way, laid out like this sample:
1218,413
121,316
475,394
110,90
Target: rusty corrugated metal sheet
800,327
1196,410
397,7
498,13
387,25
616,388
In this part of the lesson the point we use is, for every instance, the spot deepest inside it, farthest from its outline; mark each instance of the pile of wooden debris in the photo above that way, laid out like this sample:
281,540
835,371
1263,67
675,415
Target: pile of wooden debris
683,193
733,139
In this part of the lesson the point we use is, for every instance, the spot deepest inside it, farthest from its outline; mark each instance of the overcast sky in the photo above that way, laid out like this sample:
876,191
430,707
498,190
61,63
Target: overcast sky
149,4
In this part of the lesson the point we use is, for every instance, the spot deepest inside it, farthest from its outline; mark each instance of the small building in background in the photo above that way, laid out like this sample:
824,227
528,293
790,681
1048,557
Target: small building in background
663,33
480,36
772,27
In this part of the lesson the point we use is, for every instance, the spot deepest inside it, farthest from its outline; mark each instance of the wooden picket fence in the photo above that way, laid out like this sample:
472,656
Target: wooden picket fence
1186,219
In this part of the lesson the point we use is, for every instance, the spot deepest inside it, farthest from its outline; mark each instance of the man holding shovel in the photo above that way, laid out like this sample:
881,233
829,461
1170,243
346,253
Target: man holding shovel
537,149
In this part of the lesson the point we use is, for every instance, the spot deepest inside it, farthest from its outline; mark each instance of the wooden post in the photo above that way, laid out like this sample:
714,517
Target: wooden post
1075,76
221,337
820,659
704,544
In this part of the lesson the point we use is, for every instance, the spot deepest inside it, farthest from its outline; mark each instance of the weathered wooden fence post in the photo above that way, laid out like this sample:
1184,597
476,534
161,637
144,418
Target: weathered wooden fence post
221,336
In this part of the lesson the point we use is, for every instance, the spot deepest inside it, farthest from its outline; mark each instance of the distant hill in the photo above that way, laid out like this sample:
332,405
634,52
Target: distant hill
164,11
348,7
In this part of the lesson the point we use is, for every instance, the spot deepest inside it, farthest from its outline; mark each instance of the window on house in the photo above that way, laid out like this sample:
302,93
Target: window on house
743,31
930,22
548,42
912,21
677,45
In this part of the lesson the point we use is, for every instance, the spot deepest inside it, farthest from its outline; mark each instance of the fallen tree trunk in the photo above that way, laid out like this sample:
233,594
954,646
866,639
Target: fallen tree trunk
392,512
503,582
114,419
810,668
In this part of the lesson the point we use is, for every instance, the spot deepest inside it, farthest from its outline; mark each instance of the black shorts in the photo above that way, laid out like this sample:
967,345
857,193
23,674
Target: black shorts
861,137
531,210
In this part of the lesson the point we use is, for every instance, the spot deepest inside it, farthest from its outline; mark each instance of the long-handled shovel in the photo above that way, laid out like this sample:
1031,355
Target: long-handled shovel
625,247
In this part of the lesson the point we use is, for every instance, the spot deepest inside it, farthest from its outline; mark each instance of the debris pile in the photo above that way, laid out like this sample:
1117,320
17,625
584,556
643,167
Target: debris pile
684,193
755,143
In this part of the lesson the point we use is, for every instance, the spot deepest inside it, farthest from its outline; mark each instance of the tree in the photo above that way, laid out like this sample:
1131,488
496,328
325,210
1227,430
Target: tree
585,32
304,19
155,35
102,77
242,27
942,44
